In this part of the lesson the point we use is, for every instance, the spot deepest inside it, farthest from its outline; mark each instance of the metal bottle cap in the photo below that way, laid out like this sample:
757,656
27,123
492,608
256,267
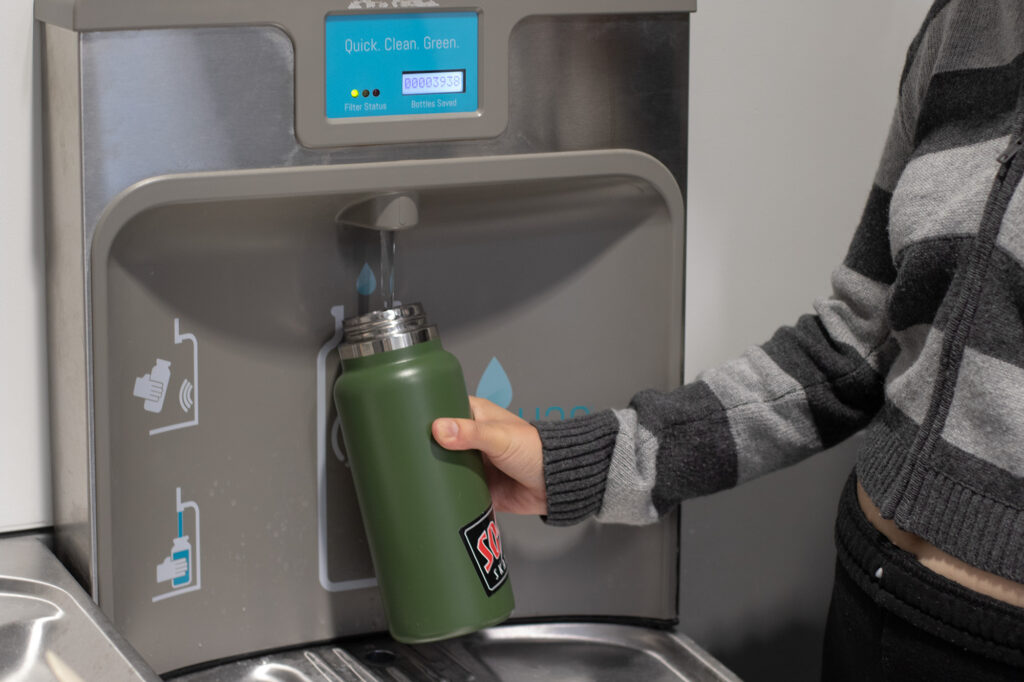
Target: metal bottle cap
383,330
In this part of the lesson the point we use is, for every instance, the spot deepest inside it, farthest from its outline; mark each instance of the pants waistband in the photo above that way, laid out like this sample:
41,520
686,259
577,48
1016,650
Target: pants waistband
898,583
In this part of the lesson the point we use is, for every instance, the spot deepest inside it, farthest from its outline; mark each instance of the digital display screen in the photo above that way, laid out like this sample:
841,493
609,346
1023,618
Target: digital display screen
433,82
408,64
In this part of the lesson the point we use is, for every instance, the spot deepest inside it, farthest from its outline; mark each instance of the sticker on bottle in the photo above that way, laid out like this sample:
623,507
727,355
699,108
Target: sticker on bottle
483,541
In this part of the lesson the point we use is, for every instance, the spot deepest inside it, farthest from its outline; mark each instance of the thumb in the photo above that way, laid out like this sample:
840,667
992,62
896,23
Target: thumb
467,434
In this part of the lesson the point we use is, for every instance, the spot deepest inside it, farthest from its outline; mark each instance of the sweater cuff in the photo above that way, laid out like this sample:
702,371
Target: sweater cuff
577,454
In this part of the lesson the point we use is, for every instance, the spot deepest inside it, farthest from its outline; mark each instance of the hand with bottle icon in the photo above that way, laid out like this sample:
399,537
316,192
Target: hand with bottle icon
152,387
170,569
513,457
148,388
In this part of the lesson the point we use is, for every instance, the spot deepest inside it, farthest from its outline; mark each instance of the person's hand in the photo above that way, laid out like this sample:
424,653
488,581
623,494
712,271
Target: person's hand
513,459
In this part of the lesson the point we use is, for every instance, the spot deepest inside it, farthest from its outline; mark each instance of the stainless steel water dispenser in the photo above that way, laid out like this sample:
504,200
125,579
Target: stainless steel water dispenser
198,156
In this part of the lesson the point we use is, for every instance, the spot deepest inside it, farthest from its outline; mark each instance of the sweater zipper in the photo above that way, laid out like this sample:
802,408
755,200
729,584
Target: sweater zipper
1008,177
1006,158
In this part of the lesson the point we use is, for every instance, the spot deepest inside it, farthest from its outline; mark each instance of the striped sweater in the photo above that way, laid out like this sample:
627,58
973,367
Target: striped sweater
921,343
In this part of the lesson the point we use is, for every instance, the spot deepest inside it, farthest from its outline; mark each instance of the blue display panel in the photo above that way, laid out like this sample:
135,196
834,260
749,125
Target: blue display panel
398,64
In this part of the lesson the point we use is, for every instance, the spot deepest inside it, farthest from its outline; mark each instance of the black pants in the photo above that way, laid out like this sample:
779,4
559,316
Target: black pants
892,619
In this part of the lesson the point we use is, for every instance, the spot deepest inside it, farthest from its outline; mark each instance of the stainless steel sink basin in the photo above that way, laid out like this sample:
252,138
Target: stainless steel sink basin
50,629
24,622
567,652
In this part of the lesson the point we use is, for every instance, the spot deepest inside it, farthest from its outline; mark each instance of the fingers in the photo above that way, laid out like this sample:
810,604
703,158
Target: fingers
484,409
456,434
512,449
466,434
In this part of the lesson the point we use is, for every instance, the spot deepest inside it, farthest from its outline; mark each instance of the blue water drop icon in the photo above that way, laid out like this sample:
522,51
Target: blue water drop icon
367,282
494,385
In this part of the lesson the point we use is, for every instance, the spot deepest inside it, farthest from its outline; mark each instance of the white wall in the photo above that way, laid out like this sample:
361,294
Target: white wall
24,462
790,104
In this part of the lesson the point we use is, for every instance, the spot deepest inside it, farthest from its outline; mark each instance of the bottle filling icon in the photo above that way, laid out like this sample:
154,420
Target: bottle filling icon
177,568
180,567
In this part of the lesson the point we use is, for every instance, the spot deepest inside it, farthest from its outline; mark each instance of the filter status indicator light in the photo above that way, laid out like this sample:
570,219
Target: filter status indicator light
433,82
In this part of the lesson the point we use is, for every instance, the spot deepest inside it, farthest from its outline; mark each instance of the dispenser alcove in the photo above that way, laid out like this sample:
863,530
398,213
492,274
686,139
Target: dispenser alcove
554,266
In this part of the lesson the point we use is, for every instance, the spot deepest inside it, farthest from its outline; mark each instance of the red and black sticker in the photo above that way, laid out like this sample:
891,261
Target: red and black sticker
483,541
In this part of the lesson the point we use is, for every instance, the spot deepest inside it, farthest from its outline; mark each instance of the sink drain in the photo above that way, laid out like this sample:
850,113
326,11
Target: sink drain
380,656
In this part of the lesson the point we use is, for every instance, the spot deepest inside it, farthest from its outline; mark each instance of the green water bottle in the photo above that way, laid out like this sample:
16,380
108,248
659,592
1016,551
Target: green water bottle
434,541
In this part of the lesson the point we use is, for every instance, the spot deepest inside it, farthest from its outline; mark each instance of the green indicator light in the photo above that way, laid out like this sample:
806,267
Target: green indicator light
355,93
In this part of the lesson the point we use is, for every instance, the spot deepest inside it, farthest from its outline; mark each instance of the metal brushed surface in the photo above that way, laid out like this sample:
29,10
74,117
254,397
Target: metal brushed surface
105,15
582,652
165,101
70,395
173,101
50,629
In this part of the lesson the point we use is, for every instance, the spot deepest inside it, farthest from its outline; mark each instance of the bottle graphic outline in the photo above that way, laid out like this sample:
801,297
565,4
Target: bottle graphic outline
182,566
181,550
325,406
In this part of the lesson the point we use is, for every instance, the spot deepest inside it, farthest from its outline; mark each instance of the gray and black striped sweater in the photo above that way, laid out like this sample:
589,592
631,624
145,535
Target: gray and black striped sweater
921,342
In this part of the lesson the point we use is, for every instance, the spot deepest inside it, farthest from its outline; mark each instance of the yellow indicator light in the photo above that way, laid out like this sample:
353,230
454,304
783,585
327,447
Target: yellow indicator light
355,93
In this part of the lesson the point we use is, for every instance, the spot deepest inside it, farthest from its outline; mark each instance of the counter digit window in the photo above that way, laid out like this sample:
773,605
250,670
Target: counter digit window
433,82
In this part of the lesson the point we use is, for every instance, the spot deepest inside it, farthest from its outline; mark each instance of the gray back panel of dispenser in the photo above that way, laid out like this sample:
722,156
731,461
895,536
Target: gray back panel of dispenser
553,277
554,273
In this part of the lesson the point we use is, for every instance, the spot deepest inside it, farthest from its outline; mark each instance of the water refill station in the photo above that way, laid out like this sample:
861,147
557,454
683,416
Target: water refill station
201,157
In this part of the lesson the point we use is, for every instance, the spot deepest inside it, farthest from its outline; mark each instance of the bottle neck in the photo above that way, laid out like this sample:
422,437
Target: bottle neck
383,331
391,357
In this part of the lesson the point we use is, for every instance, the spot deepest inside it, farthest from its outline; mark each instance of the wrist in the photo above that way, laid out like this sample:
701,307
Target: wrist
576,455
